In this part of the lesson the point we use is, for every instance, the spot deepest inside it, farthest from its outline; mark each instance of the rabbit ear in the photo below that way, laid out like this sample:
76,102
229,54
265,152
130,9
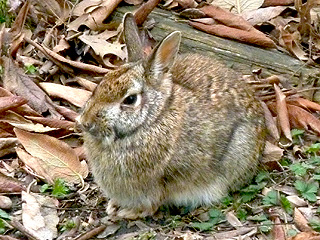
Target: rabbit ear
132,38
165,53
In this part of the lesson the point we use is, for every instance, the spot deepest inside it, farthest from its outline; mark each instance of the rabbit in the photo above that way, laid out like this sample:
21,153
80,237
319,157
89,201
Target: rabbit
170,129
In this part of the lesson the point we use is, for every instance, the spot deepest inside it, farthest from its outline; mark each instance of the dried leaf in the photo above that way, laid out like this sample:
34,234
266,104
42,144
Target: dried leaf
67,113
7,103
59,9
302,118
5,202
282,113
7,145
270,123
261,15
144,10
301,222
305,103
35,164
306,236
10,185
53,123
95,15
233,220
39,215
297,201
76,96
18,82
239,6
277,230
57,157
272,153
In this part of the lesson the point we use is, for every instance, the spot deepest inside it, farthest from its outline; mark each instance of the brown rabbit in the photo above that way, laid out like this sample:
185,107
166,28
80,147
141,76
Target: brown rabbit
170,129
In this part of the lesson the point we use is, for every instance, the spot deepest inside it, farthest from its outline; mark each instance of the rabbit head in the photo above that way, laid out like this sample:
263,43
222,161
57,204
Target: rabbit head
135,93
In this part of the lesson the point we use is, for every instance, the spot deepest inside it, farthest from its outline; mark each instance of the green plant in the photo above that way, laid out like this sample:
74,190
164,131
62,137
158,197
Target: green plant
313,149
59,189
216,217
271,199
30,69
300,169
308,190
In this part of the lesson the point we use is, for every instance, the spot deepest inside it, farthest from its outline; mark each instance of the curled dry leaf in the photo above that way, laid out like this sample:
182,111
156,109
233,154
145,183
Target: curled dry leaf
271,153
145,9
76,96
39,215
262,15
282,113
270,122
67,113
297,201
277,230
302,118
305,103
10,185
57,157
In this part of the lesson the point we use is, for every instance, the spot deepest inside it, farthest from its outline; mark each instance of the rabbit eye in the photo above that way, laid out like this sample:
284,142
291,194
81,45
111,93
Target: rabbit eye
133,99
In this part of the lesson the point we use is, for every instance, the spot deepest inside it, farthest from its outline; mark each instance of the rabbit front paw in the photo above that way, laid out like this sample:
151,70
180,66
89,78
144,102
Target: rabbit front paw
116,213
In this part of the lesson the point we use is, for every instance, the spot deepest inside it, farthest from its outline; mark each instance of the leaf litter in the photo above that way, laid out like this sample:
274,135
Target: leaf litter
38,113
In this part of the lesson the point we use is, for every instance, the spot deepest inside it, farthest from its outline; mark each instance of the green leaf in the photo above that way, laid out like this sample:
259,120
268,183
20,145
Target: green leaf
266,226
242,214
307,190
258,218
60,189
45,188
4,215
263,175
216,216
285,162
286,204
248,193
315,160
314,148
202,226
30,69
271,199
298,169
315,224
227,201
297,132
2,226
316,177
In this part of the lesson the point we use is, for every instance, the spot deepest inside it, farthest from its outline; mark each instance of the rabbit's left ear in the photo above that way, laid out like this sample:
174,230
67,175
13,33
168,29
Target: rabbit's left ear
132,38
164,55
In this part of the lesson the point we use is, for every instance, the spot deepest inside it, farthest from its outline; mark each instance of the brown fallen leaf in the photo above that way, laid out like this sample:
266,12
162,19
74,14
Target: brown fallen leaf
39,215
270,123
7,103
16,81
306,236
282,113
7,145
272,155
67,113
234,33
277,3
22,110
10,185
144,10
302,118
301,222
305,103
277,230
35,164
76,96
53,123
262,15
57,157
94,15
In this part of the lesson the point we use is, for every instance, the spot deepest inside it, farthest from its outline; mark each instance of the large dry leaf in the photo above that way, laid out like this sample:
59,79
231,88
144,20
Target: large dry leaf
270,122
278,232
76,96
142,13
282,113
305,103
239,6
36,165
57,157
302,118
16,81
39,215
53,123
272,153
306,236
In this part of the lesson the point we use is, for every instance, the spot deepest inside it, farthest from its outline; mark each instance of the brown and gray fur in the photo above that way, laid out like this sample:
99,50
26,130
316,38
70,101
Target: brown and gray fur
195,133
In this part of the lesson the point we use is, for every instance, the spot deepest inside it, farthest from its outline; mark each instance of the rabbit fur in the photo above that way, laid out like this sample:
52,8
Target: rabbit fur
170,129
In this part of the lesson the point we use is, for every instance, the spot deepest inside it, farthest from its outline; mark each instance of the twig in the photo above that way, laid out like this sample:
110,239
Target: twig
92,233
